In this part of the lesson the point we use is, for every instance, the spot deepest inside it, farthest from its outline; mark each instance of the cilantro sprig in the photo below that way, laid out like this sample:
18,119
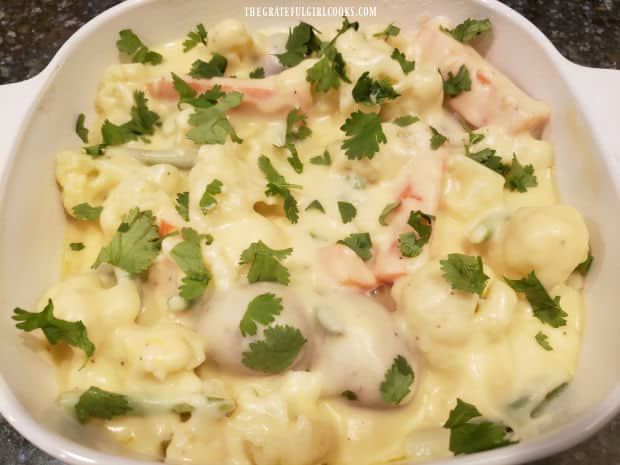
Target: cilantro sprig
370,91
215,67
199,36
389,31
265,263
364,133
545,308
406,65
360,243
454,85
468,437
277,186
302,42
210,124
464,272
262,309
55,330
519,177
276,352
397,382
135,244
188,256
131,44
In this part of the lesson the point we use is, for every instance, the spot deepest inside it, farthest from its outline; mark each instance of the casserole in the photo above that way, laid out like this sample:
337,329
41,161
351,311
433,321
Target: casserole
66,88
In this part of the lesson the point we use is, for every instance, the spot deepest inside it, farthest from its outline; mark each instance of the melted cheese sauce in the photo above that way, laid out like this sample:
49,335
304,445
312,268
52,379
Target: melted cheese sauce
482,350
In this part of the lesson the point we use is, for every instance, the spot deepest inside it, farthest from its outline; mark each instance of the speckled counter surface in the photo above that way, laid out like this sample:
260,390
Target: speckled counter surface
587,32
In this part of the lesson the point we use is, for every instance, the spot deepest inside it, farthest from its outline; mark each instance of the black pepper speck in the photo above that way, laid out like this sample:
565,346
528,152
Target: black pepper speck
31,31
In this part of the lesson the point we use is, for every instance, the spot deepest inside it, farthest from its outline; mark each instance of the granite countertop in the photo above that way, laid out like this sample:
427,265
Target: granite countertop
587,32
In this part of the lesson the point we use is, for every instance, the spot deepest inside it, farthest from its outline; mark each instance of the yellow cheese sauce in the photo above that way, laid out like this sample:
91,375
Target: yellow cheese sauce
356,316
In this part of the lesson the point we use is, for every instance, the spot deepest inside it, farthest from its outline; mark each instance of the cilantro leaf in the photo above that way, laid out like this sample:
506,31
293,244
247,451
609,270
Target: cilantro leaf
543,341
347,211
95,151
411,244
302,42
315,205
519,177
387,210
551,395
545,308
199,36
80,129
97,403
296,128
258,73
56,330
77,246
405,65
294,159
131,44
262,309
277,185
207,201
211,126
390,30
135,244
86,212
276,352
188,256
265,263
142,123
487,158
349,395
345,26
461,414
188,95
327,73
468,29
215,67
464,272
454,85
469,437
584,267
397,382
360,243
325,159
182,205
406,120
365,135
372,92
437,139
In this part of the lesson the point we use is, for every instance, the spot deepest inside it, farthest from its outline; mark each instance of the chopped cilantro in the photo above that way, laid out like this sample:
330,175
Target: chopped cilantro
584,267
207,201
406,120
296,127
465,272
468,437
327,73
437,139
277,185
365,135
349,395
519,177
131,44
215,67
372,92
347,211
545,308
258,73
211,126
97,403
551,395
455,85
182,205
265,263
199,36
387,210
86,212
324,159
405,65
276,352
315,205
543,341
80,129
411,243
468,29
262,309
188,255
397,382
135,244
389,31
56,330
77,246
360,243
302,42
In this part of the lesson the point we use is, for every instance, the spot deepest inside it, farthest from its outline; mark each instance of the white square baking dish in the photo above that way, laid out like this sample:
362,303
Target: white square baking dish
36,121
